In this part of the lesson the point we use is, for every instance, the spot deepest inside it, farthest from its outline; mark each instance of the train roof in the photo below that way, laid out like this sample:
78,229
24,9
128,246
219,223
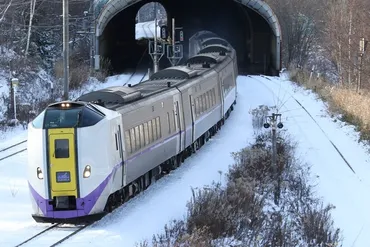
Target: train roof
215,41
161,81
214,49
205,58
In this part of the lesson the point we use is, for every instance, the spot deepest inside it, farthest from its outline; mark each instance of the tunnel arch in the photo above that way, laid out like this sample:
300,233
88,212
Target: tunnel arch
255,11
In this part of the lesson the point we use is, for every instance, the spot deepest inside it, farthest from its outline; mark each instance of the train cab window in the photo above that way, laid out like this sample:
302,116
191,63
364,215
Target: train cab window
81,116
90,117
39,120
61,148
61,118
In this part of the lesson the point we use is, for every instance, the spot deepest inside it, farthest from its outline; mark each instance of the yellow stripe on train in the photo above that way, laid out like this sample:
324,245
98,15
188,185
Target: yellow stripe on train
62,162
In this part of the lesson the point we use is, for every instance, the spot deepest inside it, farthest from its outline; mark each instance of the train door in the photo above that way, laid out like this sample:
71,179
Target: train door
178,124
62,154
120,147
221,83
192,110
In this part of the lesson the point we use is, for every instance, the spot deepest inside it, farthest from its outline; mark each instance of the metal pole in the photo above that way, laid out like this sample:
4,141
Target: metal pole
173,33
276,176
92,18
155,47
173,40
66,48
15,104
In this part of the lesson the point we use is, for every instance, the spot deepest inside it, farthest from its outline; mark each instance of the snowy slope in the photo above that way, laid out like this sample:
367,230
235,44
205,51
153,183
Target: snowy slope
165,200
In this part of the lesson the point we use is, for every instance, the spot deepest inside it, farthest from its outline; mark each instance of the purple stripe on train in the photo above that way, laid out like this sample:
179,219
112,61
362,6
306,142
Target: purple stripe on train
84,205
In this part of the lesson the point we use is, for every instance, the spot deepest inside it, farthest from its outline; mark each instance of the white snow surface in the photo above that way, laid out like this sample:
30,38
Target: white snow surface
166,200
146,30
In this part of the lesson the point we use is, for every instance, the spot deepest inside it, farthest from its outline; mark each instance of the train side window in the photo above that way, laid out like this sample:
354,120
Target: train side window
133,141
146,133
150,131
142,138
137,137
159,132
155,136
116,142
61,148
207,100
169,123
214,96
203,103
200,105
128,141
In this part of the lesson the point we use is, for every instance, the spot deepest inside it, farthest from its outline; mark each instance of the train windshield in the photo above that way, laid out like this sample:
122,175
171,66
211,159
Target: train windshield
82,116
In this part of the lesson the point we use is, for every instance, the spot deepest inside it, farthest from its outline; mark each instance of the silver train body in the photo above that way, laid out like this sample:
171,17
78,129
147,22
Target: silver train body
88,156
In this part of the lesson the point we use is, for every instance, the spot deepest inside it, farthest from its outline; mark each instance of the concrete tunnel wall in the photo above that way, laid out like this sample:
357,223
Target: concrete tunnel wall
249,25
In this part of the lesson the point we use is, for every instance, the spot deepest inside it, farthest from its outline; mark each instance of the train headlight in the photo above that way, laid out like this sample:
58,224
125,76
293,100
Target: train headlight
87,171
40,175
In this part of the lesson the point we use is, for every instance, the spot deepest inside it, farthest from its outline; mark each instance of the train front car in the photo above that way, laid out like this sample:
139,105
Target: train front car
68,167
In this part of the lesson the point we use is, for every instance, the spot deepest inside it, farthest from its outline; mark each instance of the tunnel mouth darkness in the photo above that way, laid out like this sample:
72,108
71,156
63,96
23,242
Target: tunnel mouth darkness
245,29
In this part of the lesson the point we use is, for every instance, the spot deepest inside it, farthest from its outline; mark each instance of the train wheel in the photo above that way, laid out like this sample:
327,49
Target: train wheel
175,162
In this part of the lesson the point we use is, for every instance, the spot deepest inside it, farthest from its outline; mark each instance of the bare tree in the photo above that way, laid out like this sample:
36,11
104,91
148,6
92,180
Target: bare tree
299,23
32,12
345,25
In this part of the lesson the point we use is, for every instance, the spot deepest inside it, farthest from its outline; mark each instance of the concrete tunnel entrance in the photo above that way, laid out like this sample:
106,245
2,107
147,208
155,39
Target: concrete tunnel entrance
252,30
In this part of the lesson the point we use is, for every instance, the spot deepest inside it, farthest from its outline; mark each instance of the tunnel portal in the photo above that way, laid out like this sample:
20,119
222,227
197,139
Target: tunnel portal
249,25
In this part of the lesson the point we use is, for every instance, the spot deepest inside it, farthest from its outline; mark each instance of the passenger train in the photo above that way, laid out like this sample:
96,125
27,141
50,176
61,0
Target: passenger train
90,155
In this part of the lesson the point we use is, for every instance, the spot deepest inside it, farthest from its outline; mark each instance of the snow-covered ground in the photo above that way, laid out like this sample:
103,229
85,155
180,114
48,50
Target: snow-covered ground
146,30
166,200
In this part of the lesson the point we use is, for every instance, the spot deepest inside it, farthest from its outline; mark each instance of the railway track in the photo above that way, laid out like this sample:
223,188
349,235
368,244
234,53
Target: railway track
48,236
12,150
309,114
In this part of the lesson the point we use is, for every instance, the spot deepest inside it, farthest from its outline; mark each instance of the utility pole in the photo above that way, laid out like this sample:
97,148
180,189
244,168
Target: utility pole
274,124
156,50
92,32
175,52
173,35
155,63
66,48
